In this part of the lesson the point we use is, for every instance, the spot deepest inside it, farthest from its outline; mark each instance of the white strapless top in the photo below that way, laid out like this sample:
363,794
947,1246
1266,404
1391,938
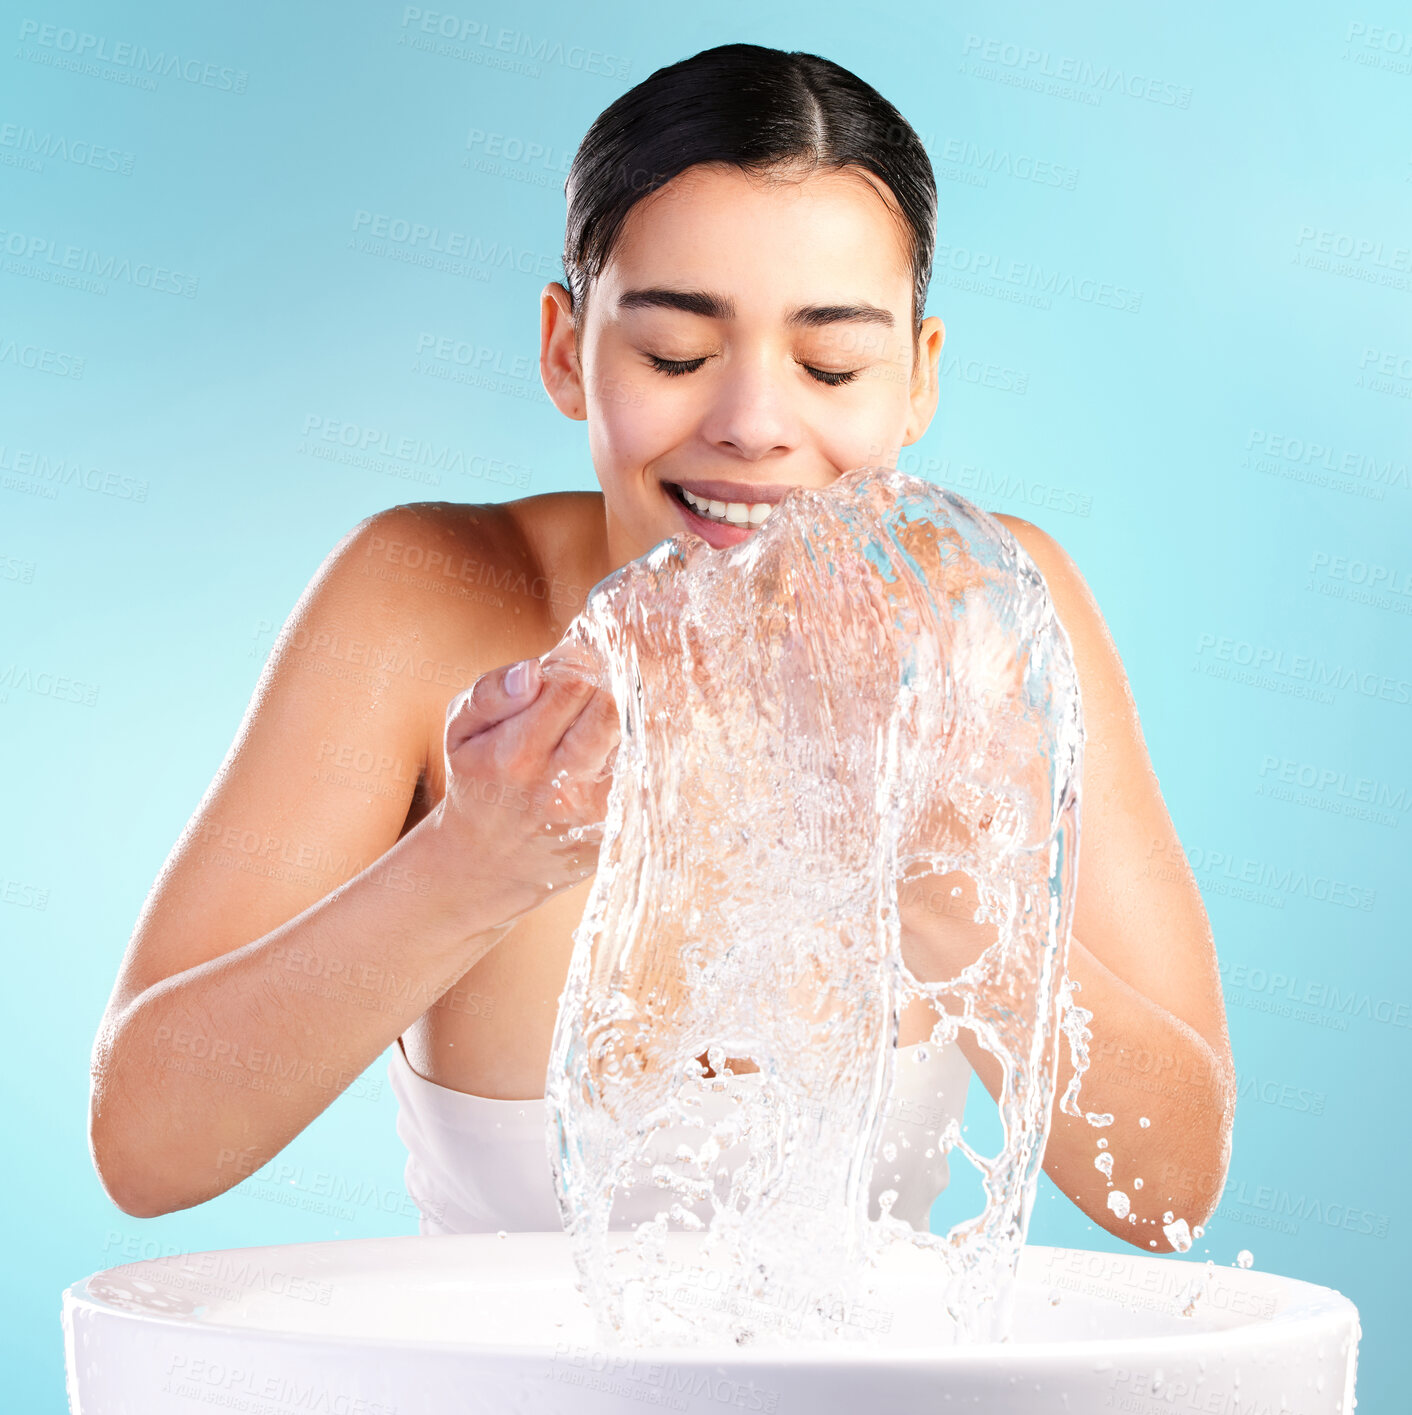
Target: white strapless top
478,1165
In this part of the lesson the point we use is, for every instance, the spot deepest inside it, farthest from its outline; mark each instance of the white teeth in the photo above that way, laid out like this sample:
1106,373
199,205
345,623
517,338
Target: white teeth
734,513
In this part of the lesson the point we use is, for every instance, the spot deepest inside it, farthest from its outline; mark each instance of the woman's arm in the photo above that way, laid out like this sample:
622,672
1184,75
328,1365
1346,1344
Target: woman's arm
291,936
215,1050
1143,955
204,1076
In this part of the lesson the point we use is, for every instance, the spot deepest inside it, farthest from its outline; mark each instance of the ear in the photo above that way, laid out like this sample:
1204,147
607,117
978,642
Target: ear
558,359
925,379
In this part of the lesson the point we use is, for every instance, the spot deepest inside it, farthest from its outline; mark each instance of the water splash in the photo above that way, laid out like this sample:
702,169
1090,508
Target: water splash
872,689
1074,1021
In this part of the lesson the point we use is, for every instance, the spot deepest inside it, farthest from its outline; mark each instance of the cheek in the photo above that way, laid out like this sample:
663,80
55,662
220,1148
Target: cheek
871,434
632,422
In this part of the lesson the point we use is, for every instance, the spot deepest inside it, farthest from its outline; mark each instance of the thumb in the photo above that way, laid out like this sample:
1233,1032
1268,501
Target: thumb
492,698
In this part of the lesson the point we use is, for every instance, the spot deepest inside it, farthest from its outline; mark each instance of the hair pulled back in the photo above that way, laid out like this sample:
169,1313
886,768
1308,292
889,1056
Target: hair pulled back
759,109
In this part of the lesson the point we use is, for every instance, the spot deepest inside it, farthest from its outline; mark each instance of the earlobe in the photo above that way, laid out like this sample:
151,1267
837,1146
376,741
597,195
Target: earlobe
926,383
559,366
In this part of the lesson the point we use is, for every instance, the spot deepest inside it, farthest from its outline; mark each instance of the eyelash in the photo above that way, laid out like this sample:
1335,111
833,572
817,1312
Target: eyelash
674,368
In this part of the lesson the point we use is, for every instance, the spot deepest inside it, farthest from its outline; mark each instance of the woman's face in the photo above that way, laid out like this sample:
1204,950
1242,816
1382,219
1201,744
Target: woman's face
745,337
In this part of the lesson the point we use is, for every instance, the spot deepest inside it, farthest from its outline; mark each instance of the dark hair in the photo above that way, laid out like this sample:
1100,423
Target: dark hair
754,108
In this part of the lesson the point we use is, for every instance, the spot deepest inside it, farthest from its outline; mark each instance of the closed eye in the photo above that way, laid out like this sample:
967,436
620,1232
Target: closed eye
674,368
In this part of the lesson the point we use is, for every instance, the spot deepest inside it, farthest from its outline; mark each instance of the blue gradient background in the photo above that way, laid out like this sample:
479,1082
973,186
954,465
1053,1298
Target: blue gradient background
1167,447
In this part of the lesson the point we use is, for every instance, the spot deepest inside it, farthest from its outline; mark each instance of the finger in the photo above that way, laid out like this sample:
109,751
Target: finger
491,699
561,698
590,737
574,653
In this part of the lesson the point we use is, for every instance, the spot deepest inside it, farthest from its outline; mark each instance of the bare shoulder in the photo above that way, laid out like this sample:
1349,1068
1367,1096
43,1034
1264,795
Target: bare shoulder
567,533
1137,909
451,590
340,748
500,573
1103,681
411,606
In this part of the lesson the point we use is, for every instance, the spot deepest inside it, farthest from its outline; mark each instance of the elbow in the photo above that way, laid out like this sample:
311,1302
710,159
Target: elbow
1220,1130
1186,1175
1197,1181
144,1179
132,1185
134,1202
130,1165
128,1192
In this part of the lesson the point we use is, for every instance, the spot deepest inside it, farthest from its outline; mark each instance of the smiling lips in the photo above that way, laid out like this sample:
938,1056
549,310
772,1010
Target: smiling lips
724,513
735,513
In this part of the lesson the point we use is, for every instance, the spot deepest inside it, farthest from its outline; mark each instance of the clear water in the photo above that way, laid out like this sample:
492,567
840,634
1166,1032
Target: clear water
866,705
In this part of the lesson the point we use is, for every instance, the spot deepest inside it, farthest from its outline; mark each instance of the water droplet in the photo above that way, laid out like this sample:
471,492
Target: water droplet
1245,1258
1118,1202
1143,1121
1178,1235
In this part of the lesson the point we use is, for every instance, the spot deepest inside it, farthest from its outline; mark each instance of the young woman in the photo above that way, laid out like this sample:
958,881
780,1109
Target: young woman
380,859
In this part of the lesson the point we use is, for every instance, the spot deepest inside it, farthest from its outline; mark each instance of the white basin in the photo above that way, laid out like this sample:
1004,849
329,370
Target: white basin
480,1323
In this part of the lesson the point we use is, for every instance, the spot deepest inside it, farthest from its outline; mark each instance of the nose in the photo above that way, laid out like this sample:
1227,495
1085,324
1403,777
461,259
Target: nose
753,412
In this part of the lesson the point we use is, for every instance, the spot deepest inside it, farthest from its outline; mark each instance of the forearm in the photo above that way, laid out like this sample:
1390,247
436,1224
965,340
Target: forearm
210,1073
1144,1064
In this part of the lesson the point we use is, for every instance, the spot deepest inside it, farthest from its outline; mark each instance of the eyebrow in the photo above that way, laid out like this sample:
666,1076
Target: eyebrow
711,306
